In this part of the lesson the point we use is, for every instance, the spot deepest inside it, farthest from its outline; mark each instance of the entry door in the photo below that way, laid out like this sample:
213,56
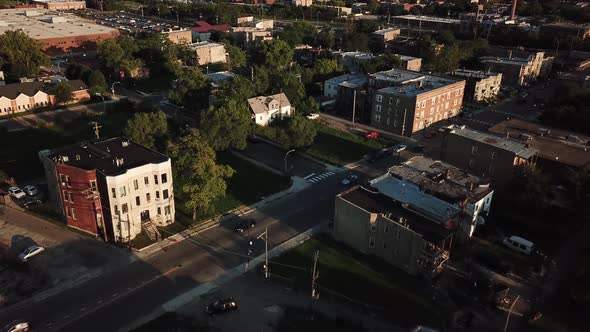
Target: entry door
145,216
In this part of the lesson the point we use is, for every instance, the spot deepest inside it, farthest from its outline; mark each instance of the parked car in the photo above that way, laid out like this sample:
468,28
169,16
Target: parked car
16,326
31,203
418,148
16,192
222,306
399,148
313,116
519,244
372,135
244,225
350,179
31,190
430,134
30,252
376,156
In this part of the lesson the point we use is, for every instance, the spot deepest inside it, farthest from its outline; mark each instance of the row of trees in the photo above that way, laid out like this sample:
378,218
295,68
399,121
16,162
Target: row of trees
20,55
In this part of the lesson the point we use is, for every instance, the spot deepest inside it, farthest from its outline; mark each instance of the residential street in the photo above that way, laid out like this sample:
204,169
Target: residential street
137,289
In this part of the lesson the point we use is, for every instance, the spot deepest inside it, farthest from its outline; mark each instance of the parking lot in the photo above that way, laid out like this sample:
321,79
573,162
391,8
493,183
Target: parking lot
68,257
131,23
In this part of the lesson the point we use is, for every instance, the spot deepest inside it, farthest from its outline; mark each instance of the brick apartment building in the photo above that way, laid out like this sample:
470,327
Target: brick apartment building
519,71
112,188
487,155
384,36
480,86
182,36
246,37
405,102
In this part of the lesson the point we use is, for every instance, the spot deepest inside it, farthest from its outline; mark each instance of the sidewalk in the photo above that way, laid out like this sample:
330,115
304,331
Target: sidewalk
298,184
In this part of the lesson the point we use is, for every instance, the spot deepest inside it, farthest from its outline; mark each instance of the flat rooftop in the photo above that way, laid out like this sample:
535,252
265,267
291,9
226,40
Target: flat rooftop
381,204
349,80
554,144
205,44
112,157
520,149
468,73
428,19
442,180
409,193
45,24
384,31
407,82
508,61
407,57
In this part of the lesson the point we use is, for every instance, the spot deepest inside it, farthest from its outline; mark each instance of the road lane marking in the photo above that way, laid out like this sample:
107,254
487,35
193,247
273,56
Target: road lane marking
310,175
83,309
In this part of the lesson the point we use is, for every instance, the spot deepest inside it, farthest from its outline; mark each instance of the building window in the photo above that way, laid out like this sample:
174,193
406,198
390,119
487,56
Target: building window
395,252
431,110
397,101
155,179
159,210
447,105
494,155
423,103
165,194
122,191
455,102
146,180
164,178
137,201
378,108
390,100
388,121
373,228
167,210
124,208
471,162
71,197
157,194
379,98
135,184
69,212
398,234
395,122
68,181
474,149
377,118
386,229
147,197
433,100
93,184
116,209
372,241
384,245
114,192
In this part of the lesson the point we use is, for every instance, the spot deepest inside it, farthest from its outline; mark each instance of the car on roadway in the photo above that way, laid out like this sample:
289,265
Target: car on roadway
350,179
31,190
372,135
16,192
17,326
313,116
399,148
244,225
222,306
30,252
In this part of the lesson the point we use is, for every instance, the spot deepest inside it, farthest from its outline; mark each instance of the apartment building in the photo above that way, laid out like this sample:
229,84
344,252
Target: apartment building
559,151
60,4
22,97
352,61
383,36
247,37
266,109
467,192
405,102
302,3
181,36
376,224
207,53
480,86
410,62
487,155
111,188
519,71
348,92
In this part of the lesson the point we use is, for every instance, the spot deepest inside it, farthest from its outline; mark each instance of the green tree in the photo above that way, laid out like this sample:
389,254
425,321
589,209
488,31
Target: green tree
307,106
205,180
448,59
78,71
62,92
237,57
191,89
355,42
326,68
20,55
275,55
301,131
261,79
97,82
227,125
147,128
111,53
236,88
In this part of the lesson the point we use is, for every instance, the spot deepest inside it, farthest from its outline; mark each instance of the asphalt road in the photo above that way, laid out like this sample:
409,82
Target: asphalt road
117,298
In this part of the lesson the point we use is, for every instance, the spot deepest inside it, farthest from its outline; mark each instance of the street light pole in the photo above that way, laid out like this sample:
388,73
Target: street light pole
266,267
113,88
104,107
285,159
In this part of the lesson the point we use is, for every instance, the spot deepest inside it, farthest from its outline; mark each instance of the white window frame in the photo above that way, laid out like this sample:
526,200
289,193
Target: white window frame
379,98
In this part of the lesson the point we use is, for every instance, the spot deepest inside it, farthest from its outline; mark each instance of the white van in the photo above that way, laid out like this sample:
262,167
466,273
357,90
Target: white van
519,244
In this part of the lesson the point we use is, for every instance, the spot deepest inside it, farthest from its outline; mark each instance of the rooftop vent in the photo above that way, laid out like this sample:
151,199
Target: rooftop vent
78,157
125,143
119,162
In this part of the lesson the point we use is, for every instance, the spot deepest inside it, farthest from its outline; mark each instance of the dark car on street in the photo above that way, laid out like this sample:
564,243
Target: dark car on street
377,155
244,225
222,306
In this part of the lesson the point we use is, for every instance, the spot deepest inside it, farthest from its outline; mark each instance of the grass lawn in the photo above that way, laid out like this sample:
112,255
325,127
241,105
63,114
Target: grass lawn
249,184
404,298
340,148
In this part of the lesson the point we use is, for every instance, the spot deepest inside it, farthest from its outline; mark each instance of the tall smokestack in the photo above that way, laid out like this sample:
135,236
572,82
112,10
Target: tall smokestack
513,14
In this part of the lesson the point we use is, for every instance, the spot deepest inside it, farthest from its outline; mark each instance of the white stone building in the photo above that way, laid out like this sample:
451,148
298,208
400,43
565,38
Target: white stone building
266,109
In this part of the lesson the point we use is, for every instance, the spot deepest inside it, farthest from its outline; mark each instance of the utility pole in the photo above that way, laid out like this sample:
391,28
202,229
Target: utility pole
314,276
96,128
510,312
353,106
266,267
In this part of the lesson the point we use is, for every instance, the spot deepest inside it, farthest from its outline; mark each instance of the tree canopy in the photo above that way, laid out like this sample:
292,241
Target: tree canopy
97,82
147,128
227,125
62,92
205,179
191,89
275,54
20,55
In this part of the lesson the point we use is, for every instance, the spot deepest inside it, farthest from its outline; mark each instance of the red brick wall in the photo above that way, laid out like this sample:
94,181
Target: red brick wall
66,44
85,211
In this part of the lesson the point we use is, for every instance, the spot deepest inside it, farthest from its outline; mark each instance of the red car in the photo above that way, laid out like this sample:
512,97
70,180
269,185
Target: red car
372,135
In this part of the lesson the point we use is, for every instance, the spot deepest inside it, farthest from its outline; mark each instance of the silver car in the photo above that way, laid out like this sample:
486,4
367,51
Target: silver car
30,252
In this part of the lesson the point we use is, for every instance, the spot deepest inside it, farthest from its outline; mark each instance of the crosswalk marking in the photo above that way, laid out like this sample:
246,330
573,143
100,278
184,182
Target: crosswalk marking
313,178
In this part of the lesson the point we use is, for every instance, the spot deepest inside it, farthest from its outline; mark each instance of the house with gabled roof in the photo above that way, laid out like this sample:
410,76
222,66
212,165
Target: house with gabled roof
266,109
